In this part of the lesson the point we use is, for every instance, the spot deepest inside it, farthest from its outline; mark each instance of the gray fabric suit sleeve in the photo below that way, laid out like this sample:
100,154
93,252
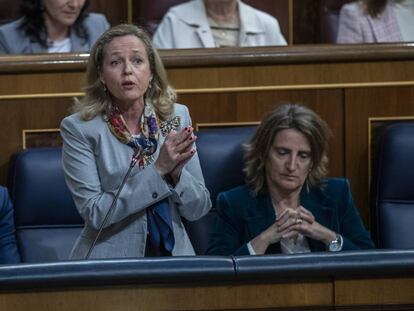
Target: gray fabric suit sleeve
142,189
190,194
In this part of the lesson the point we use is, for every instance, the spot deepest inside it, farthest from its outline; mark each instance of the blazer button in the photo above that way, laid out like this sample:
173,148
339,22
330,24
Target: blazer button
155,195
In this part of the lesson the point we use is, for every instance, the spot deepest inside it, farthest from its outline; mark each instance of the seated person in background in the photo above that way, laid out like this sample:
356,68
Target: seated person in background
127,116
376,21
213,23
287,206
9,253
52,26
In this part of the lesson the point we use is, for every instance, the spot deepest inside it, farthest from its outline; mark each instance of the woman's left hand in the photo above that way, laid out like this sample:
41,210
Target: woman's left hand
305,223
175,152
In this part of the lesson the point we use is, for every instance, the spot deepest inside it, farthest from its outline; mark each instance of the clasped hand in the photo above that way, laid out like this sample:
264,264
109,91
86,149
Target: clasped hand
290,223
175,152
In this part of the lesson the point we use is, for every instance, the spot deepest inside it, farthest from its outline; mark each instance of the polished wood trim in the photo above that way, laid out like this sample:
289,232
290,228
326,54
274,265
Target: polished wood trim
195,297
232,89
290,8
59,62
380,291
224,124
292,87
130,11
25,133
184,58
286,55
41,95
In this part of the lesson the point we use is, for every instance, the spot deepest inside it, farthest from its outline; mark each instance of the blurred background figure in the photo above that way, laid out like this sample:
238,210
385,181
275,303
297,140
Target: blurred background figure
370,21
216,23
52,26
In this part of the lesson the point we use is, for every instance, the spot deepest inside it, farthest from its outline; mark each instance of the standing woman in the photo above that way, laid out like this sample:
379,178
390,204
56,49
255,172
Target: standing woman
129,112
49,26
375,21
287,204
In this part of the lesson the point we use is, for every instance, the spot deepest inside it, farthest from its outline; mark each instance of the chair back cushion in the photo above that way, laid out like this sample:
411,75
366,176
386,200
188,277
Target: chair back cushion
9,11
221,159
47,221
149,14
329,19
394,195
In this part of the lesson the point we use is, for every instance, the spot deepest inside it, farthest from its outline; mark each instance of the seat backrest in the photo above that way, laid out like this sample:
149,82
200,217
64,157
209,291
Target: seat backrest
221,159
47,221
149,14
329,19
393,197
9,10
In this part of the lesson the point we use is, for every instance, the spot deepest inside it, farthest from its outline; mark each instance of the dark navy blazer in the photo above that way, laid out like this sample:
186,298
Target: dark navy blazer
8,245
242,216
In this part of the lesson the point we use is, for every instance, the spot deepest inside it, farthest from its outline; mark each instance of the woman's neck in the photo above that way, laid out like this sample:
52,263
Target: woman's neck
222,11
55,31
132,116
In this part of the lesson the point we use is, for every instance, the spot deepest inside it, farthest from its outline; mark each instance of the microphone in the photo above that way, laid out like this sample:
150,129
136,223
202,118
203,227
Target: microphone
108,214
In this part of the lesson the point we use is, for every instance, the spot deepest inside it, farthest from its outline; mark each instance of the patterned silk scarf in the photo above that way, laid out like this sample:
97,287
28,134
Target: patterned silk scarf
160,228
145,142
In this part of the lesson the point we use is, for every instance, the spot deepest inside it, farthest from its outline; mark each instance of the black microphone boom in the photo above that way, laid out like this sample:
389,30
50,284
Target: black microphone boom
108,214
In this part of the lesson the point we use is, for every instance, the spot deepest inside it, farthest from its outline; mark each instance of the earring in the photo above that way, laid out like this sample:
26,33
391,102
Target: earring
104,87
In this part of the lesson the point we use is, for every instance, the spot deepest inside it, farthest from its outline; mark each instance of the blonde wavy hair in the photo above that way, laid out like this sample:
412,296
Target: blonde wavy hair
97,100
287,116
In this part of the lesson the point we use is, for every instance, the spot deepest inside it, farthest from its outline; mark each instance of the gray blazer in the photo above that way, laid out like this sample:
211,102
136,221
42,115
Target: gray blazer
14,41
356,26
95,162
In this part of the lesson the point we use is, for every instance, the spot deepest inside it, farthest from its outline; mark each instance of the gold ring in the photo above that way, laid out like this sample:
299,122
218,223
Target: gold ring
298,220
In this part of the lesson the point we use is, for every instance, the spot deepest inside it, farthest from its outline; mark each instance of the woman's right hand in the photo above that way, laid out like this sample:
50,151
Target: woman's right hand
284,226
266,238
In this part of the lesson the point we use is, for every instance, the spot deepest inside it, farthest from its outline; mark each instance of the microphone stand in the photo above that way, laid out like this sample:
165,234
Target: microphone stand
108,214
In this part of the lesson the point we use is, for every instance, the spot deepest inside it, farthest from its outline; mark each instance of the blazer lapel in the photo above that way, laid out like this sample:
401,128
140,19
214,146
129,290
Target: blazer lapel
36,48
248,24
203,28
321,207
78,44
385,27
259,215
196,16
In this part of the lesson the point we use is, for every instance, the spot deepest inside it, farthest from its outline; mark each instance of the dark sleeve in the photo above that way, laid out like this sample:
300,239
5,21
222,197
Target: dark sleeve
227,236
351,226
8,245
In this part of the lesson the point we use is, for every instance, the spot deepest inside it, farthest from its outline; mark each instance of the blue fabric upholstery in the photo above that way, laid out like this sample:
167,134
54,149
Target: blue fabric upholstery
393,198
221,159
8,245
47,222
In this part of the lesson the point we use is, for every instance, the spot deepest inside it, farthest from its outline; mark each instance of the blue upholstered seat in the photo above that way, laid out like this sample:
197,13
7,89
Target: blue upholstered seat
221,159
393,197
47,222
